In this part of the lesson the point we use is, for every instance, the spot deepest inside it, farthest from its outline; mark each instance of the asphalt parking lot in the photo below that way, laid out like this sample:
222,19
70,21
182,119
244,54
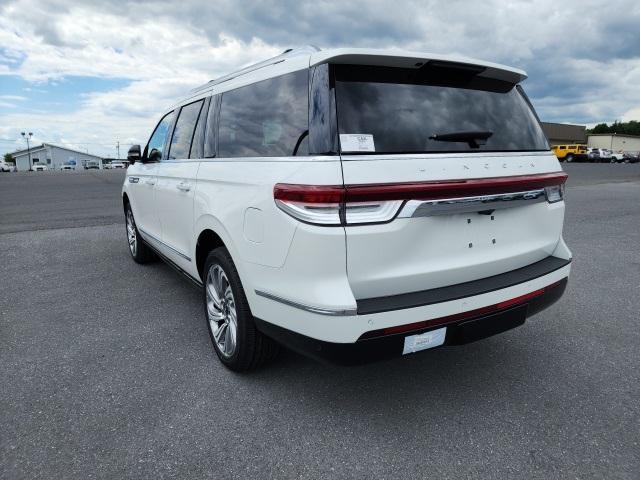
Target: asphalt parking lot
106,369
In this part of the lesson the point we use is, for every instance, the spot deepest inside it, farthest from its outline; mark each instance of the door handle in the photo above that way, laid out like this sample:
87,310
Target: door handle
184,186
150,181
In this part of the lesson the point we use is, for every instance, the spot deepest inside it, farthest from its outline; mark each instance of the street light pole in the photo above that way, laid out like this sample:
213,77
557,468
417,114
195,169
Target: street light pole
28,147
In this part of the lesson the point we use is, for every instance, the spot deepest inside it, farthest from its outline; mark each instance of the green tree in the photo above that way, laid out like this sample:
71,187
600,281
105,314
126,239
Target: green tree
8,158
600,128
621,128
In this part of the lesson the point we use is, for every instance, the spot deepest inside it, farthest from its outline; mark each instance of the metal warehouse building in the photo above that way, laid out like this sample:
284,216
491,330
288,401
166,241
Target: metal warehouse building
564,133
615,142
53,156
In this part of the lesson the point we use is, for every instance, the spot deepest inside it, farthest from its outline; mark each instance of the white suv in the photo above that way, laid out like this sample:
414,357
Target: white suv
354,204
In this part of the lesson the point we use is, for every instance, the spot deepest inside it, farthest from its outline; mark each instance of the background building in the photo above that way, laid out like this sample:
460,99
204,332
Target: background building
563,133
53,157
615,142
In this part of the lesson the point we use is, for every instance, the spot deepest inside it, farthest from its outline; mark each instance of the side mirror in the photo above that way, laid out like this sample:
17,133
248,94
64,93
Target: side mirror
134,154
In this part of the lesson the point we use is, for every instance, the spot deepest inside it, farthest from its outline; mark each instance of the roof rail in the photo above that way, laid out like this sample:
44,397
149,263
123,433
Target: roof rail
290,52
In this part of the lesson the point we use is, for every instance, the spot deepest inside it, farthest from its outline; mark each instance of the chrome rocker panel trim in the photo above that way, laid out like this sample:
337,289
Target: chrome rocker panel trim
148,236
308,308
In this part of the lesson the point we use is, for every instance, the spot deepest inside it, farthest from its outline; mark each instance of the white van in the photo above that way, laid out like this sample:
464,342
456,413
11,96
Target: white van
353,204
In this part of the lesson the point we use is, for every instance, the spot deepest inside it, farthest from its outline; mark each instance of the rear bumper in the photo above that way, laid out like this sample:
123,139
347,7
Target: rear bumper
461,330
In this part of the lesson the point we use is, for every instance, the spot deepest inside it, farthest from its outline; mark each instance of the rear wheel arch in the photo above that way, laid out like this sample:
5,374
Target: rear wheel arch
208,240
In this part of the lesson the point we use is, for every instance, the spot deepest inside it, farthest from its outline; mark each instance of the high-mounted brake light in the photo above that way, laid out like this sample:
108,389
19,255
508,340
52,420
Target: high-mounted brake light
377,203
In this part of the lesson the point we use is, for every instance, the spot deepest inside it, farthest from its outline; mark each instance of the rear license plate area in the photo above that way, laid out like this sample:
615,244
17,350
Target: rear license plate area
424,341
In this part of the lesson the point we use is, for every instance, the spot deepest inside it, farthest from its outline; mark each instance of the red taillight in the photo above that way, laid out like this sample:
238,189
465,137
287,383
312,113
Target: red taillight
308,193
375,203
453,188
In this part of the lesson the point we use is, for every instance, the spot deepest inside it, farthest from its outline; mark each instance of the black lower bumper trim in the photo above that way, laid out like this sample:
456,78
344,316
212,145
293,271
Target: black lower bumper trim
368,306
381,348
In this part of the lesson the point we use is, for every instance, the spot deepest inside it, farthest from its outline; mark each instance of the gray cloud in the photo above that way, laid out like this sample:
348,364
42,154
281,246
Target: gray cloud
582,56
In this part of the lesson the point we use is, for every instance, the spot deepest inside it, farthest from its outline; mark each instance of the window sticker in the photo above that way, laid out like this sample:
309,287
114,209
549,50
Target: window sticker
357,142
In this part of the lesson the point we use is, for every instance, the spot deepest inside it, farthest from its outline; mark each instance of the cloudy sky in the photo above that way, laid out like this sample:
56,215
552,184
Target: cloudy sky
88,74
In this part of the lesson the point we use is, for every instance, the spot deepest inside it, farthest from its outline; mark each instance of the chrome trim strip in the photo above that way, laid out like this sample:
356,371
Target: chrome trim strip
157,240
448,206
307,308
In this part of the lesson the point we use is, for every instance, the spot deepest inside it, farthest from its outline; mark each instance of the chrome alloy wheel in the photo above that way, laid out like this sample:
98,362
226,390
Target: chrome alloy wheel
221,310
131,233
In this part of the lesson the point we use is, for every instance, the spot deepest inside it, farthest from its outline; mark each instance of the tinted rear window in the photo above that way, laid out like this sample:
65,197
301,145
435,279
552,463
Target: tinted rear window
396,110
266,119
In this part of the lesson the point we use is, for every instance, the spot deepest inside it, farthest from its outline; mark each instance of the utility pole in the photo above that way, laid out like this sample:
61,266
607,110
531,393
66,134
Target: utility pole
28,147
118,148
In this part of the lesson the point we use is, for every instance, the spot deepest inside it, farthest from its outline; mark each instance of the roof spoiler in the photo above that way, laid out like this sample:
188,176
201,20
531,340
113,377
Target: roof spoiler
404,59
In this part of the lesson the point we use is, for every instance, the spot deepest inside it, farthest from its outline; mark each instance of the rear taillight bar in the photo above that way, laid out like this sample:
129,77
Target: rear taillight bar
375,203
453,188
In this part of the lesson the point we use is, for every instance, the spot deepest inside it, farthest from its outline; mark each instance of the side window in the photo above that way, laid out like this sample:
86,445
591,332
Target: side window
184,130
211,136
266,119
198,136
158,137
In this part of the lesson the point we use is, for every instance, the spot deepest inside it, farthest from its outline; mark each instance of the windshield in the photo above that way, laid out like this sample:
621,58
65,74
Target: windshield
431,109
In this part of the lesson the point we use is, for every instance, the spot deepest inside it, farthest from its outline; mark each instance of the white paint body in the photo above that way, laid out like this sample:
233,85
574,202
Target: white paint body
329,268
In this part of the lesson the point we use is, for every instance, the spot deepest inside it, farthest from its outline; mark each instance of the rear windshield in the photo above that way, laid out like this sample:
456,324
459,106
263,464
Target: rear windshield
431,109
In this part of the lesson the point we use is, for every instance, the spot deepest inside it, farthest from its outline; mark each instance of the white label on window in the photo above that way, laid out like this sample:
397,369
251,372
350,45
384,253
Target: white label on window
415,343
357,142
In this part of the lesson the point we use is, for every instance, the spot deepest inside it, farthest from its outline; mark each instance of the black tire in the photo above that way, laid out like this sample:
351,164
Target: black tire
569,158
251,348
139,250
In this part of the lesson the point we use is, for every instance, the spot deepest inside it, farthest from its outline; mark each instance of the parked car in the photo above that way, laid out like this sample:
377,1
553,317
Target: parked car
353,234
593,155
117,165
39,168
604,155
617,157
67,167
632,157
570,153
6,167
91,165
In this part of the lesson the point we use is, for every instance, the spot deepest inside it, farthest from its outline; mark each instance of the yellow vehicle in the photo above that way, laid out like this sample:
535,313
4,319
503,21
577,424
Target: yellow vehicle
570,153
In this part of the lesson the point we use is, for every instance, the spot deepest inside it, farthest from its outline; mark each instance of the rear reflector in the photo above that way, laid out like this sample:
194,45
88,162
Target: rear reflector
435,322
376,203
